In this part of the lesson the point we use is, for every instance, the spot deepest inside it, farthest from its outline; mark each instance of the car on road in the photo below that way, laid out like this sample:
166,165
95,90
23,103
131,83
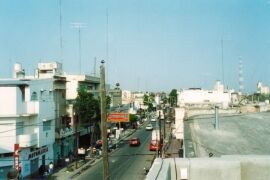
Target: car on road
155,145
134,141
153,119
149,127
168,121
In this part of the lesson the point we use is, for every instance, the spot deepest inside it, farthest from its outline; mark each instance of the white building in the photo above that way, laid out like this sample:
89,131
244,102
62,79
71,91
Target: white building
27,118
262,89
199,96
127,97
157,98
138,100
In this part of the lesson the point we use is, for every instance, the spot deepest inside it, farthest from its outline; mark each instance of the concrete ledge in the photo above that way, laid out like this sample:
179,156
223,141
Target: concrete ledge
227,167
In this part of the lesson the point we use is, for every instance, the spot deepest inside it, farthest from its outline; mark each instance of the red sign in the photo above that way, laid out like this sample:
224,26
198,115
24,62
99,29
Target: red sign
118,117
16,156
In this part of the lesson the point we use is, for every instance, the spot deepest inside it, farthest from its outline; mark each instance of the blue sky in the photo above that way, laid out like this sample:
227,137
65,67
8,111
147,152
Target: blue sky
153,44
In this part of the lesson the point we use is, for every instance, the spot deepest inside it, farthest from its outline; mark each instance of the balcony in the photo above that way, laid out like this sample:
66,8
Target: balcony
31,108
27,140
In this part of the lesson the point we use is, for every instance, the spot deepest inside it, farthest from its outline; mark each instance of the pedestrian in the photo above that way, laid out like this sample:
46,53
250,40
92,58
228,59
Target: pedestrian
50,167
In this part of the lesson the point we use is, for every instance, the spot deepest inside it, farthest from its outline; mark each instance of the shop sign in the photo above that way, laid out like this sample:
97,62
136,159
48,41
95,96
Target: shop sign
16,156
37,152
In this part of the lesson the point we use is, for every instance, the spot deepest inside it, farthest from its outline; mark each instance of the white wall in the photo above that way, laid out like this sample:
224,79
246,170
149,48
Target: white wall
7,135
47,110
179,123
8,100
203,96
71,89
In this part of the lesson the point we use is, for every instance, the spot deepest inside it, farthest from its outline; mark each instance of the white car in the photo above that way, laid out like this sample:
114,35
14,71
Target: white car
168,121
153,120
149,127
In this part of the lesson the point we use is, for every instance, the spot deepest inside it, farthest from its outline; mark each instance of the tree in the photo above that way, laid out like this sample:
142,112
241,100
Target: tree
133,118
173,97
108,102
86,106
148,101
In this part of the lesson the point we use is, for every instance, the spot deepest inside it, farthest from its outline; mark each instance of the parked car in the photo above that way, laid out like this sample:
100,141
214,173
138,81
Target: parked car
149,127
155,145
168,121
153,119
134,142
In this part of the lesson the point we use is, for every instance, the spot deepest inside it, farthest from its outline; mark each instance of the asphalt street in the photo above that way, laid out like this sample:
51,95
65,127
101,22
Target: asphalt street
126,162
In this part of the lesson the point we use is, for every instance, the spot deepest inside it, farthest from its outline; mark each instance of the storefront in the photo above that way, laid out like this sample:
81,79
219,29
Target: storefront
32,159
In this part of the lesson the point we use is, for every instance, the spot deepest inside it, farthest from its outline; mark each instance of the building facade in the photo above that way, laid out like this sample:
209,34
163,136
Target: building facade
27,118
198,96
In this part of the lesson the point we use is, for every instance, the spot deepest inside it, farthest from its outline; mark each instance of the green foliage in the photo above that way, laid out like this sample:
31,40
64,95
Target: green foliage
87,106
108,102
165,100
258,97
173,97
133,118
148,101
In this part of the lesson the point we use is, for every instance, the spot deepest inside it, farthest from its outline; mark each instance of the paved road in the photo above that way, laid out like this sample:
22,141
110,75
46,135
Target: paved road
126,162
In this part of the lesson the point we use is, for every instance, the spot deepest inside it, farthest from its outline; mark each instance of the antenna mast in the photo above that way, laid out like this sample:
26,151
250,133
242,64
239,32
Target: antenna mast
79,26
241,79
60,31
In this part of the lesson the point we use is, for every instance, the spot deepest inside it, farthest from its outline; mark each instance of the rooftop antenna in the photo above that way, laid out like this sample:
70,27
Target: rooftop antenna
107,43
60,32
79,26
222,61
241,79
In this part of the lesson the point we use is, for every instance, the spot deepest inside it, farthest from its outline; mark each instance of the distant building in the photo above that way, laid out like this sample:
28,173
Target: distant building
158,98
127,97
116,95
198,96
138,100
262,89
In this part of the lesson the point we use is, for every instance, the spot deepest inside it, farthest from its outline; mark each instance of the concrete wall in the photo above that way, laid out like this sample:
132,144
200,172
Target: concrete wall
8,100
195,112
179,124
224,168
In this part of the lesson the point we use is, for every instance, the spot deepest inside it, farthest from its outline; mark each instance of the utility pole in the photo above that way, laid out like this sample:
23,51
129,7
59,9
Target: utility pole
106,175
164,132
76,120
161,137
216,118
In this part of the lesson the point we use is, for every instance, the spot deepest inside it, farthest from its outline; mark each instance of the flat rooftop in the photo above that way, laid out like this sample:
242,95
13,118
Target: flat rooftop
241,134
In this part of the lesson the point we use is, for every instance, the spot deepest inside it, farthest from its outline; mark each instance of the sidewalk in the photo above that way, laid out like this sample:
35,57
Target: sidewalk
64,173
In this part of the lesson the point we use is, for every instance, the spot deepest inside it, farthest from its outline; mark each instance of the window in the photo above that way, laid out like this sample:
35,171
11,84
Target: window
34,96
47,125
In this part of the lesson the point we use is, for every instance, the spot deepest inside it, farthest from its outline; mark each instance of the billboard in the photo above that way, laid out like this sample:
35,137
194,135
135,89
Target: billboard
118,117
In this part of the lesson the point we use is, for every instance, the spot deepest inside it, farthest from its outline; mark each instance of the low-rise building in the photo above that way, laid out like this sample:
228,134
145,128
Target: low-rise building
198,96
262,89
